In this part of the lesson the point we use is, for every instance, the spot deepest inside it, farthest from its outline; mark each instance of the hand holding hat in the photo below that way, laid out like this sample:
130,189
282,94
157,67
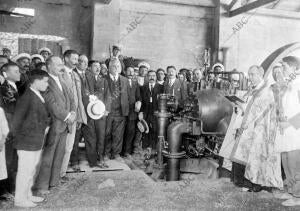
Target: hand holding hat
93,98
137,106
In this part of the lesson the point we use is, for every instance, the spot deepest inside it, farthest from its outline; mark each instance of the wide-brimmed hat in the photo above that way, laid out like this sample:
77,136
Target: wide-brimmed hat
37,56
143,126
44,49
21,56
96,109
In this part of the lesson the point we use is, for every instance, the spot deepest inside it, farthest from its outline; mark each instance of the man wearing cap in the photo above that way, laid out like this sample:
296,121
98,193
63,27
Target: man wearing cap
134,107
174,87
35,59
119,109
149,93
45,52
116,53
143,70
73,81
23,60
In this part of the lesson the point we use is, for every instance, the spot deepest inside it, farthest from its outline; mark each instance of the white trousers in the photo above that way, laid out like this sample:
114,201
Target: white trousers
27,167
68,150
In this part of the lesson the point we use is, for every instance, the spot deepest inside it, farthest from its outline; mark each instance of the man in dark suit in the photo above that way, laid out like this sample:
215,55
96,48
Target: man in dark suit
102,92
134,107
119,109
175,87
87,131
9,97
60,103
149,93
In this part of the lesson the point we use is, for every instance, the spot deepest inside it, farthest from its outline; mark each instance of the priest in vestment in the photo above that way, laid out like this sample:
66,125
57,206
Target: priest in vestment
252,139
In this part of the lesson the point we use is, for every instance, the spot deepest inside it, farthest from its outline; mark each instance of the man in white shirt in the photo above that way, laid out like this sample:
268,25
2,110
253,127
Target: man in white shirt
60,103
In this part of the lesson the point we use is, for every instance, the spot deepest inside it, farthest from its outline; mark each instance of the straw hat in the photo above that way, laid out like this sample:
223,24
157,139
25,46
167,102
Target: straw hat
96,109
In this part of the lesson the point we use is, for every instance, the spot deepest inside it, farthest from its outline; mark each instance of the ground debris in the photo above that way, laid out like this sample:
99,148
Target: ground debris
106,183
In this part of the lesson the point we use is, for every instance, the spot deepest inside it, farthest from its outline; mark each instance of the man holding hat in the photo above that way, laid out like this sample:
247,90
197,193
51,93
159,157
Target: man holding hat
149,93
45,52
134,107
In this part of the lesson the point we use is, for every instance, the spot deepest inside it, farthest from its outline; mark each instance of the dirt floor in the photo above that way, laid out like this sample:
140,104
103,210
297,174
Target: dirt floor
134,190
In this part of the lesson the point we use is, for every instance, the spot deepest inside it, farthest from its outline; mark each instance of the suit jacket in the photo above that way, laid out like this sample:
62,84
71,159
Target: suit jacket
102,91
9,96
80,110
124,86
29,122
87,87
148,108
179,89
134,96
60,104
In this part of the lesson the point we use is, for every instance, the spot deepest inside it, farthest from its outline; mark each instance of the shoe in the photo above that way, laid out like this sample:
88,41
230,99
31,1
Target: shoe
128,156
106,158
291,202
96,167
103,165
36,199
119,159
42,192
76,168
64,179
26,204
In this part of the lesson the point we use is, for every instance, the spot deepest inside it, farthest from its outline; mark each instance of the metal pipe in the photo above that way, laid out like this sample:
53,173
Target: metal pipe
174,153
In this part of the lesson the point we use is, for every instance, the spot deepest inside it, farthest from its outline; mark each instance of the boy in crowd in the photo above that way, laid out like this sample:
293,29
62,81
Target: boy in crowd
29,127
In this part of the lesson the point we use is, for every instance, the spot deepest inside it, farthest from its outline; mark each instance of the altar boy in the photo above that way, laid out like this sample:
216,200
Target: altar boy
29,126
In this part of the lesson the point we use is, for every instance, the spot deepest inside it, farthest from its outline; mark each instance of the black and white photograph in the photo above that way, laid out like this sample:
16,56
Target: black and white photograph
150,105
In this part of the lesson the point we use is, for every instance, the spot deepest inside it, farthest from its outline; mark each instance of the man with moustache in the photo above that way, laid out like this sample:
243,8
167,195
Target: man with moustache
86,131
149,93
73,81
174,87
119,109
59,101
102,92
134,107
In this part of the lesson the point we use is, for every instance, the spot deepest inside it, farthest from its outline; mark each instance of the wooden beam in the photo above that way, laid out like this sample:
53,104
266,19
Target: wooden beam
250,6
232,3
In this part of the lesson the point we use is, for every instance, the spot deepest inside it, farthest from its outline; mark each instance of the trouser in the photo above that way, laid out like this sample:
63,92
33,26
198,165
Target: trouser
137,142
52,158
88,133
68,150
151,138
115,126
291,166
100,127
27,167
11,158
129,135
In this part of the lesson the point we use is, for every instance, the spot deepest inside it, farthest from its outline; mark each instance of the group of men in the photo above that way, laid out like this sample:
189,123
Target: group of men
52,103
